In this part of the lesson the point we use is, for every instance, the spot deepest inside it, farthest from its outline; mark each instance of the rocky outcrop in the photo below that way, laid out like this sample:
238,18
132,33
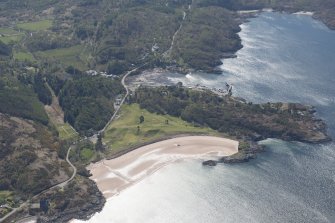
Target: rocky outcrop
244,155
209,163
80,200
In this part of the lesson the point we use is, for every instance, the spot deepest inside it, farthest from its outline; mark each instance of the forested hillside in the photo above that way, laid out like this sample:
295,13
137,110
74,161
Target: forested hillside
88,102
116,35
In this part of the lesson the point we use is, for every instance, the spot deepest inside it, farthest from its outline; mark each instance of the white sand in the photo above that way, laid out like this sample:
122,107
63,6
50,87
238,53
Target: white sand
113,176
304,13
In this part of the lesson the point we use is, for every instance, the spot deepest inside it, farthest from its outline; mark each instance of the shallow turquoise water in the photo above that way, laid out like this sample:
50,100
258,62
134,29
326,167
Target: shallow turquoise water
285,58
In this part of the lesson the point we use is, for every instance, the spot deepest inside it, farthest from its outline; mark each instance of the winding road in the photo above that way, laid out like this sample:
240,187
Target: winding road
167,53
63,184
123,82
60,185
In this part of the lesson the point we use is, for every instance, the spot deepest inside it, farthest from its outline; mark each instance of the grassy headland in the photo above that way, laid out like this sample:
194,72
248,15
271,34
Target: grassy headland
127,131
245,121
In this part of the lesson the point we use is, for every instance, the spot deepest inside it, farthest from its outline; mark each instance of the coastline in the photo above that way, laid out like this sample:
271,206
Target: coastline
243,155
114,175
233,158
243,17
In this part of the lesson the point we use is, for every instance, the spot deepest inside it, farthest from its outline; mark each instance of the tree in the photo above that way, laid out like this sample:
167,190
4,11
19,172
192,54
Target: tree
4,49
42,91
141,119
99,146
116,67
72,70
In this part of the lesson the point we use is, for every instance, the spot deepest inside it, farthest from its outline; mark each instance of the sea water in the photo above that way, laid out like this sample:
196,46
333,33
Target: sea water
287,58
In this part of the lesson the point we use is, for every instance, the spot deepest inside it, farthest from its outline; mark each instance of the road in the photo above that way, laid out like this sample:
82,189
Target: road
123,82
63,184
169,51
60,185
73,173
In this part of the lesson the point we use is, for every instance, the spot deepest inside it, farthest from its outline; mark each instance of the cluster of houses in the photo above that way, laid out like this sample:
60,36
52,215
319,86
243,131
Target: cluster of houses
101,73
227,91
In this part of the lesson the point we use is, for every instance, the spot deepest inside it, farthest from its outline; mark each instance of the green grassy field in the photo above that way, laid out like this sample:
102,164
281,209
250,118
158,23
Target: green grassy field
8,31
74,56
86,154
22,56
5,196
66,132
123,132
9,39
35,26
10,35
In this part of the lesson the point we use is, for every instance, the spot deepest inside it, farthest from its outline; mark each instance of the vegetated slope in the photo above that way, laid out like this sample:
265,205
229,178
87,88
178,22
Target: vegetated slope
208,35
20,100
88,102
32,157
32,160
113,34
29,161
116,35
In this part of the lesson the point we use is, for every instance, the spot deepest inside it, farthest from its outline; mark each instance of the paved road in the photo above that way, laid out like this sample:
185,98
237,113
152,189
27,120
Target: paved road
123,82
73,173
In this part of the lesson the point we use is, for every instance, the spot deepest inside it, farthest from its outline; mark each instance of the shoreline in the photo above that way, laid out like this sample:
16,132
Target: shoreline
243,16
225,160
114,175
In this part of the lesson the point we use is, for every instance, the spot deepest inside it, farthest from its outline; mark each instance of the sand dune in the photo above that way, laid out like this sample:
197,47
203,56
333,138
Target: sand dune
113,176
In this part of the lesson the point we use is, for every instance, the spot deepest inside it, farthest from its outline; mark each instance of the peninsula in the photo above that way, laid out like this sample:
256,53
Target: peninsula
64,102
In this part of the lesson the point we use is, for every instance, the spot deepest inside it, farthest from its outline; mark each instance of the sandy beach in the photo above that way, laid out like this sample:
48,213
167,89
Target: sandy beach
113,176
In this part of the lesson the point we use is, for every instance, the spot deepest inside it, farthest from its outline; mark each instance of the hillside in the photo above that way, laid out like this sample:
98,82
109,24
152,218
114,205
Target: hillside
114,36
61,66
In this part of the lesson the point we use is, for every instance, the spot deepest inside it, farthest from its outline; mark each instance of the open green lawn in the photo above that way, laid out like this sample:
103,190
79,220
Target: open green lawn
22,56
8,31
8,35
86,154
66,132
6,198
35,26
74,56
9,39
123,132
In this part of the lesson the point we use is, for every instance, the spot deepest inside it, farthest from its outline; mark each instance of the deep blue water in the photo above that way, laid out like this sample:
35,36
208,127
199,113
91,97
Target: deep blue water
285,58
